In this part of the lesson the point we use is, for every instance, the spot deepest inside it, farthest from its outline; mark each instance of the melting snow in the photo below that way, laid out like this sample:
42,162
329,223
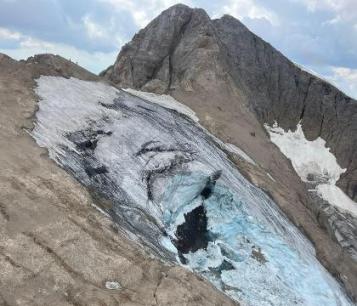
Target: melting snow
313,161
165,101
234,149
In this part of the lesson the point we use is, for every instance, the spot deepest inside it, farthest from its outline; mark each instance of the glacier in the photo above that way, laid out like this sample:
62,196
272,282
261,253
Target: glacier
174,190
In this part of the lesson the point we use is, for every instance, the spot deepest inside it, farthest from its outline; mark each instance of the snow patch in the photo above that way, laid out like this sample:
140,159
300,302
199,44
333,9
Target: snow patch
313,162
234,149
165,101
335,196
112,285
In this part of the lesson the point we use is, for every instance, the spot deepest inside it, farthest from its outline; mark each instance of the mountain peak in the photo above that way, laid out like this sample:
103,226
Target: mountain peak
221,65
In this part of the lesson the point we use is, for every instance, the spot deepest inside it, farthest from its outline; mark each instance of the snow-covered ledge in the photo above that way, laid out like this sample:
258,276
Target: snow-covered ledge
314,163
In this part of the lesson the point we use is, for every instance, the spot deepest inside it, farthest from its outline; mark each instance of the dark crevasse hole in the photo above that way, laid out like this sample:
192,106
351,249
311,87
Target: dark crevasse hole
208,189
225,266
91,171
193,235
88,144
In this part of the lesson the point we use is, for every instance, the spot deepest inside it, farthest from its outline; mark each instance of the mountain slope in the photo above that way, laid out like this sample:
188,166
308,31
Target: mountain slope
55,247
183,49
172,187
236,82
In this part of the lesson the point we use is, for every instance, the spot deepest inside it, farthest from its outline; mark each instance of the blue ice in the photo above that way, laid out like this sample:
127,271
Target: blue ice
265,267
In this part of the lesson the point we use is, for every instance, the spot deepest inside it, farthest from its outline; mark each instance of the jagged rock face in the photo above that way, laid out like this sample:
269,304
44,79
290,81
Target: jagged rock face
183,49
139,70
176,50
279,90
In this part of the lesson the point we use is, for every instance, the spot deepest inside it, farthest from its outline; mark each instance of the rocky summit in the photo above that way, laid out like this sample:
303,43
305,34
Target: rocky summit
201,168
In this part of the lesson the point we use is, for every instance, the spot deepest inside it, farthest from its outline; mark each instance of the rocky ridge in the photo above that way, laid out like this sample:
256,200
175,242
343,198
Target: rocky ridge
183,49
172,53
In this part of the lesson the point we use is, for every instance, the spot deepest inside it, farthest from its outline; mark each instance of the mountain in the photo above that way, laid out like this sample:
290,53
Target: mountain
55,247
172,178
182,50
236,83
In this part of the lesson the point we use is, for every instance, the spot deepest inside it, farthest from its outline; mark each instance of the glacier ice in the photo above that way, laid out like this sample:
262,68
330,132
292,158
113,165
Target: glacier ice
155,163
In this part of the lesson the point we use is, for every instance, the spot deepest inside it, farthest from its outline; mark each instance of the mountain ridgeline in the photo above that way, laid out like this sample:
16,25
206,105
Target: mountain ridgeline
195,178
184,51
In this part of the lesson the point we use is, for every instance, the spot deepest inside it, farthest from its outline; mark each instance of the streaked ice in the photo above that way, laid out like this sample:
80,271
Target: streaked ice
152,160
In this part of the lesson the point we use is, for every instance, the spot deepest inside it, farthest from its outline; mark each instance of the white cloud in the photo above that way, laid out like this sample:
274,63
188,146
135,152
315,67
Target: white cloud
32,43
344,10
29,46
9,35
94,30
346,79
107,32
143,11
248,8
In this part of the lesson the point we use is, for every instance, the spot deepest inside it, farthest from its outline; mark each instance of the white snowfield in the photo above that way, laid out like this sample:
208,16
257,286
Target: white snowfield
312,160
165,101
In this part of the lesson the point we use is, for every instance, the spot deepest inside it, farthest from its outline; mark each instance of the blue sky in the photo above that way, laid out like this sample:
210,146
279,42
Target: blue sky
320,35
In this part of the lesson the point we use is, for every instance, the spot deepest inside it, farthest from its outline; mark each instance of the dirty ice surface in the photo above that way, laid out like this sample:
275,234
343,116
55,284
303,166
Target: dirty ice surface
174,190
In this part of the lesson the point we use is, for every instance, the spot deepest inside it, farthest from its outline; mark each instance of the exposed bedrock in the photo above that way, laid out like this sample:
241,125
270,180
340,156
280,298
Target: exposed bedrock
192,235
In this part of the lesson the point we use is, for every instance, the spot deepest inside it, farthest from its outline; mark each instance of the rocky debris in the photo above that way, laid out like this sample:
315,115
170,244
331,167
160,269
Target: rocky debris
236,82
55,248
341,225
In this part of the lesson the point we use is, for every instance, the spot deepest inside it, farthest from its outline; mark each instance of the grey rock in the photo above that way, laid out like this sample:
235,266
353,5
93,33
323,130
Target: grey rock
183,49
340,225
